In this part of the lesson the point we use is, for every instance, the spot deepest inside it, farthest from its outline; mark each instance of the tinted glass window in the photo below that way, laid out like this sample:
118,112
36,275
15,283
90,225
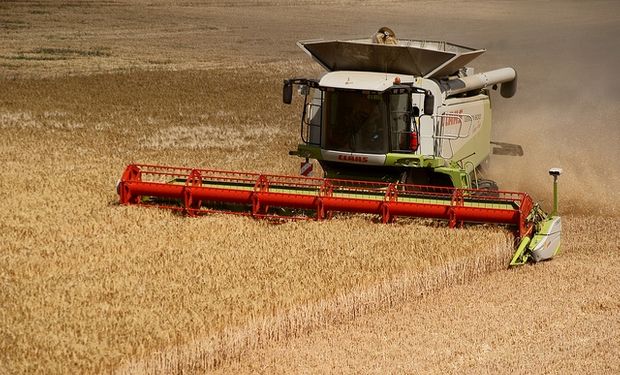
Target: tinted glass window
355,122
400,124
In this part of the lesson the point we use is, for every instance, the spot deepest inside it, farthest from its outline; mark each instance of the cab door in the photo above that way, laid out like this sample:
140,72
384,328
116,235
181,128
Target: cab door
402,124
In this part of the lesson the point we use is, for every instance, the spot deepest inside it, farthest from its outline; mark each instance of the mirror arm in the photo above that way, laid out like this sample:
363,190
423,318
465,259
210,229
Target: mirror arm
287,88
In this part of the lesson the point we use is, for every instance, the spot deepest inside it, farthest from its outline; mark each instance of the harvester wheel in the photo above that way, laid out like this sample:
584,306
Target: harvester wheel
489,185
485,184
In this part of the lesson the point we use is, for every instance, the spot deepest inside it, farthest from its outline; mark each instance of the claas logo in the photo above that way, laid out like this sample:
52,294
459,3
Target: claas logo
354,158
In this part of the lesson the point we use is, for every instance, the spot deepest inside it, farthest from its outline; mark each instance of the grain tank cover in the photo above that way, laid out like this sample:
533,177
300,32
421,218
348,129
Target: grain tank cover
414,57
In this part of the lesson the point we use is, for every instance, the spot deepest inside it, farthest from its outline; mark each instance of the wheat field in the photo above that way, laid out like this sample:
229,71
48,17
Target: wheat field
89,286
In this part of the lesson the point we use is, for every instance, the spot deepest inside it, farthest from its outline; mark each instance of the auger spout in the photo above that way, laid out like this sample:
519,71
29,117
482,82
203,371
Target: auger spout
506,76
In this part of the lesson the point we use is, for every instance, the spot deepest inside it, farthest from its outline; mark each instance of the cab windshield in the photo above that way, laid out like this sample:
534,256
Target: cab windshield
354,121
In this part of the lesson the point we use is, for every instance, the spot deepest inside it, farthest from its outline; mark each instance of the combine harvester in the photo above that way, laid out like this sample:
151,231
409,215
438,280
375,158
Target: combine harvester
399,127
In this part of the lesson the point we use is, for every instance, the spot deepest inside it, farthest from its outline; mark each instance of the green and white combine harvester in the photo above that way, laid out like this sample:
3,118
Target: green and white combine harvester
399,128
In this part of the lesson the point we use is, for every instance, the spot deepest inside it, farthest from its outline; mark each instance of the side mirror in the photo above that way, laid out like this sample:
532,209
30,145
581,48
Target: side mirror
429,103
287,92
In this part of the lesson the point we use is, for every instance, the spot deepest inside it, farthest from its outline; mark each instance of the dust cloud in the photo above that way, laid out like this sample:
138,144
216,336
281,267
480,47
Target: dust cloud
566,110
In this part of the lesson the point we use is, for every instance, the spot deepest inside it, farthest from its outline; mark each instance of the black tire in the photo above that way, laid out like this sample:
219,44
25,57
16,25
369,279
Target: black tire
489,186
484,184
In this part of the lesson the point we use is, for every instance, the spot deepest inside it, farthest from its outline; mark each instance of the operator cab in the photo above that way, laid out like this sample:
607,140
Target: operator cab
354,118
361,112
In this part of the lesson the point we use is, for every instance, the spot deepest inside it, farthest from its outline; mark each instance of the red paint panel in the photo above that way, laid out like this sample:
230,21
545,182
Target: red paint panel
433,211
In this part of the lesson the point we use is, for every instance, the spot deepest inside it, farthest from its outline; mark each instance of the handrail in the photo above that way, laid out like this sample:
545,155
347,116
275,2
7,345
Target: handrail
459,117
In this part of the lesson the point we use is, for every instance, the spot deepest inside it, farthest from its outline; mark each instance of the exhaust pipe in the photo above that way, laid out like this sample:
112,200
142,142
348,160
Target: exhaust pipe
506,76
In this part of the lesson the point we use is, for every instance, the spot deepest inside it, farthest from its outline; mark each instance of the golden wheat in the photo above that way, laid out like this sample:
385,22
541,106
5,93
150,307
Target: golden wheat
552,317
89,286
350,303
